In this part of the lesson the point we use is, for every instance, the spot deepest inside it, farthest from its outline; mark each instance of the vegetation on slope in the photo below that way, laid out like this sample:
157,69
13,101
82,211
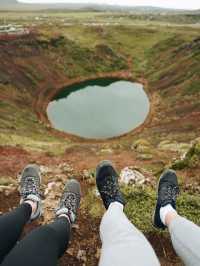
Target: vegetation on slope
191,158
34,63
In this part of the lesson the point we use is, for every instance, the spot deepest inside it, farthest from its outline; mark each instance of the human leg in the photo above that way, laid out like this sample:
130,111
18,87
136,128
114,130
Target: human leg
185,235
12,223
46,244
11,227
43,246
122,242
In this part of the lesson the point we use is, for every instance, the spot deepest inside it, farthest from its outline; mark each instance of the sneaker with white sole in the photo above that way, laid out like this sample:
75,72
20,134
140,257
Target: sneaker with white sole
107,184
30,182
168,190
70,200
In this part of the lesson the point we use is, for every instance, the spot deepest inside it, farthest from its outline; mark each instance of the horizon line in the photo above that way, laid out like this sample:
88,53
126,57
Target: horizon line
105,4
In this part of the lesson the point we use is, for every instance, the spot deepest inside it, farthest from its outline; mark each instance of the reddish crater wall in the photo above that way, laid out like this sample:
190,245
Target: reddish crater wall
46,94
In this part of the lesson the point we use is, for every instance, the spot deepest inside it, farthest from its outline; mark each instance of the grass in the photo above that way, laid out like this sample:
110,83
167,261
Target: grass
134,41
141,202
192,88
191,159
19,126
75,60
51,146
166,56
140,206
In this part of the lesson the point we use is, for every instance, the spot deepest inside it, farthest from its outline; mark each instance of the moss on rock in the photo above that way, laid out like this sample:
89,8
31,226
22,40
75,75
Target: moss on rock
191,159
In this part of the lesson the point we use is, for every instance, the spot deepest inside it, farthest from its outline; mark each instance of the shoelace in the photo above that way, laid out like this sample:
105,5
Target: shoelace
170,193
110,187
69,201
30,186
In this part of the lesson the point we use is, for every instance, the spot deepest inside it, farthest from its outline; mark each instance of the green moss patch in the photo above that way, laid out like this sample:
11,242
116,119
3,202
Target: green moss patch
193,88
191,159
141,203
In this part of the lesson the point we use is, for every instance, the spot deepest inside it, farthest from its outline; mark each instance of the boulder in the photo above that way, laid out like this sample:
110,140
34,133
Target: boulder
132,176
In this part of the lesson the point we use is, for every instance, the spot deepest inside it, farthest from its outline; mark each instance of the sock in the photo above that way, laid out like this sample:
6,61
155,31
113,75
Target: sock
164,211
116,204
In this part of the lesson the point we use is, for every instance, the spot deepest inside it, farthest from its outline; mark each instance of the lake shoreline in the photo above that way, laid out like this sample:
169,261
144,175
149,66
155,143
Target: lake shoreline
45,96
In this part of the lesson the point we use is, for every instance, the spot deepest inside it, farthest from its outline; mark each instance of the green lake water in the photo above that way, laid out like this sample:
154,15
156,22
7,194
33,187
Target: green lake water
99,109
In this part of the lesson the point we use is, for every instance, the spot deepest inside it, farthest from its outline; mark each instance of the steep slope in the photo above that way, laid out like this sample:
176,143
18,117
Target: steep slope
34,67
174,74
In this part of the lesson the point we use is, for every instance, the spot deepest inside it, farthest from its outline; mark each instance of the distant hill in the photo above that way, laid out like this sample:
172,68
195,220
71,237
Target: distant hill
5,3
197,12
8,2
15,5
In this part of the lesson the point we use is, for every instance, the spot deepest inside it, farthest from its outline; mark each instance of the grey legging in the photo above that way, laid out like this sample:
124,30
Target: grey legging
185,237
124,244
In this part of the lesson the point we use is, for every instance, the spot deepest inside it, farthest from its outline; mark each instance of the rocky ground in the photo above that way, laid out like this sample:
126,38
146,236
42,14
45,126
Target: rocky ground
85,245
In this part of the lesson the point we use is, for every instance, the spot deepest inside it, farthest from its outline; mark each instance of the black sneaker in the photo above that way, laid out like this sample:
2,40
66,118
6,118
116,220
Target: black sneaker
70,200
107,184
30,188
168,191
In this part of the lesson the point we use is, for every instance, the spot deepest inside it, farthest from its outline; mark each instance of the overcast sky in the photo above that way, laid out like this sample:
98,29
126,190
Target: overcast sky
181,4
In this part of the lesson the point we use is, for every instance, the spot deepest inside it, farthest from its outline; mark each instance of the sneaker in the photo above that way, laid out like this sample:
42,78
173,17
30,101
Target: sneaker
107,184
30,188
168,191
70,200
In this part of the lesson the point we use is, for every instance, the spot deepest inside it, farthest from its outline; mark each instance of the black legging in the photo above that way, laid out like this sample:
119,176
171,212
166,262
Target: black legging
43,246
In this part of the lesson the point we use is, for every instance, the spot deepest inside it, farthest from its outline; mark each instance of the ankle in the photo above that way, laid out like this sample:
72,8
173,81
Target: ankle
170,216
167,214
116,204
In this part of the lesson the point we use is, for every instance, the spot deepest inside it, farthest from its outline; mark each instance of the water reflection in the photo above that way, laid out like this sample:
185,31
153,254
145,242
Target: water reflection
99,109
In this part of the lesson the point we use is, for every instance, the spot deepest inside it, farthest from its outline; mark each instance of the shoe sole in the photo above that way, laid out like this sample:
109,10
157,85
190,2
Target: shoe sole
154,213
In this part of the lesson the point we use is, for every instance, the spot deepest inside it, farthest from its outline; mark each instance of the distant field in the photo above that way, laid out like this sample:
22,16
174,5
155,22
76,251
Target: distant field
122,18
